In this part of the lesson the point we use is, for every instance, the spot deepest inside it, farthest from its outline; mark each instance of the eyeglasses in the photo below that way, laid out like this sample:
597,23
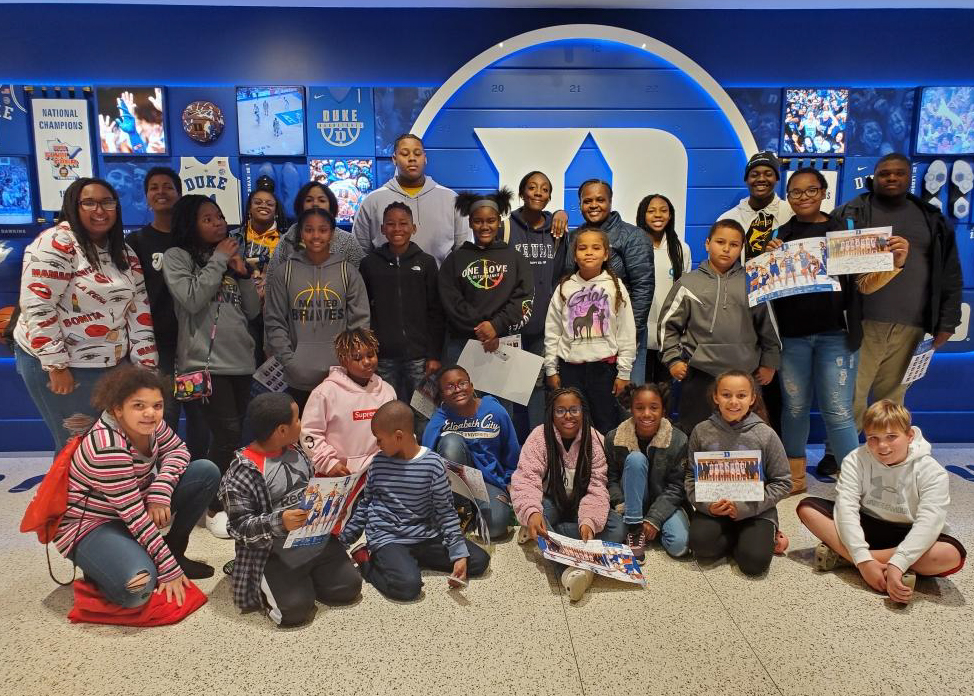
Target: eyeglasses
454,388
561,411
810,192
90,204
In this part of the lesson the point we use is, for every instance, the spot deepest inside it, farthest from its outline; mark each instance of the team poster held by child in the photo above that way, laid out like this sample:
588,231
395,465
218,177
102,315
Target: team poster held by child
366,326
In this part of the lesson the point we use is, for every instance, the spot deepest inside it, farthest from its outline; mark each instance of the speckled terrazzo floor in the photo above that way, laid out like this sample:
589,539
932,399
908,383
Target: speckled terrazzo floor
693,631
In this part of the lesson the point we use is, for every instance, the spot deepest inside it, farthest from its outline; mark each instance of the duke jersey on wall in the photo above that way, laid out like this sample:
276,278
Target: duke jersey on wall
216,179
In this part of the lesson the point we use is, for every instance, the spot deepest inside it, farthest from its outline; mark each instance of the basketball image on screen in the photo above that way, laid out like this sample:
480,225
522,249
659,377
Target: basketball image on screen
15,203
349,179
815,121
131,121
946,124
270,120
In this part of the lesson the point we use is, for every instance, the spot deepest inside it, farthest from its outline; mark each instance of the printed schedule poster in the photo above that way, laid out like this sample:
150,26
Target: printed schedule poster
62,146
728,475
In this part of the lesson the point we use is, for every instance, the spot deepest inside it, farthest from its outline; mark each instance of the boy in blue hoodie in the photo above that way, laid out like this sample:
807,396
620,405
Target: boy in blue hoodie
477,432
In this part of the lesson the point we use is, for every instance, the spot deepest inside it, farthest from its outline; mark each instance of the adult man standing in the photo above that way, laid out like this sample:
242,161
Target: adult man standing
925,296
439,227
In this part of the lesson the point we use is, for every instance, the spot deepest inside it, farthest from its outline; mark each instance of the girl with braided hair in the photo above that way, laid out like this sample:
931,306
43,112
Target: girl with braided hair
560,482
590,332
336,425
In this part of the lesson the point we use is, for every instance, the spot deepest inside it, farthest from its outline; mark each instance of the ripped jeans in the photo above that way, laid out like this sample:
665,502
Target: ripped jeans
820,364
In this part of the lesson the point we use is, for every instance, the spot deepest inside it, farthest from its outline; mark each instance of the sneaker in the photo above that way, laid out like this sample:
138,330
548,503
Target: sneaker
360,554
827,466
826,558
228,566
217,524
910,580
780,543
194,570
576,582
636,540
523,536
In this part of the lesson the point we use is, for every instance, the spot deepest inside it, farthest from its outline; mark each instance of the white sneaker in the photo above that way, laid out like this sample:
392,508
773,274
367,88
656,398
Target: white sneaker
576,582
217,524
523,536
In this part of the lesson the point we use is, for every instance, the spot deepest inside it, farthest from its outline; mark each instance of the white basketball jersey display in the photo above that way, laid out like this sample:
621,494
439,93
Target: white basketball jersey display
214,179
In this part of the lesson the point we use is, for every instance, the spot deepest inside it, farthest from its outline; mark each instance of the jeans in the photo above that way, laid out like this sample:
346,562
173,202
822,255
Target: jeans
329,577
111,558
884,355
224,412
497,514
567,524
675,534
55,408
750,540
405,376
819,364
527,418
638,375
596,381
394,569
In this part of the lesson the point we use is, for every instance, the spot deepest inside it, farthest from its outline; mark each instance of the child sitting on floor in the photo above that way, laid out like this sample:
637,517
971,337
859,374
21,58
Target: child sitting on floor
890,509
406,511
748,530
262,492
335,433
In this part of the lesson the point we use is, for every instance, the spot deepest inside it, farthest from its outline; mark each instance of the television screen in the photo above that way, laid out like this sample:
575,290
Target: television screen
350,179
15,201
270,120
131,121
815,121
946,123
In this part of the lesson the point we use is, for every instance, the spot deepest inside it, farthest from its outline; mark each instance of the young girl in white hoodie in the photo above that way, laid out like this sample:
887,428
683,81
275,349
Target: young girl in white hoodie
336,425
590,333
890,510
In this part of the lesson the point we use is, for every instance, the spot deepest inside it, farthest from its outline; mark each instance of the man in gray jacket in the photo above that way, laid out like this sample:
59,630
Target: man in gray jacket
439,227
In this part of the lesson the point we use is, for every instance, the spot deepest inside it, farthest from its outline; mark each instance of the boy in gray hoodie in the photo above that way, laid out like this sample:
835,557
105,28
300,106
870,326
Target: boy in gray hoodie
315,296
439,226
746,529
706,326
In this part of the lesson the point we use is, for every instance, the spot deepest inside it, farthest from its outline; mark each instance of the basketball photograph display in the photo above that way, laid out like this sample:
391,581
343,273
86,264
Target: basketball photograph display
271,120
946,123
15,198
131,121
350,179
815,121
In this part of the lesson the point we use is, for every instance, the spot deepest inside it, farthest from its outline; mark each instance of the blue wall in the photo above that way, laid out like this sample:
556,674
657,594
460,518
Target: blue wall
212,46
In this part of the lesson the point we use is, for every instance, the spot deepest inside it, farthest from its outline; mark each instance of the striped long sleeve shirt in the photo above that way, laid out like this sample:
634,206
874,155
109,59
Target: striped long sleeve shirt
406,502
111,480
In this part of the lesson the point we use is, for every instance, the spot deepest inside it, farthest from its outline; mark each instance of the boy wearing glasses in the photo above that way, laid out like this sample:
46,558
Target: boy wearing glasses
477,432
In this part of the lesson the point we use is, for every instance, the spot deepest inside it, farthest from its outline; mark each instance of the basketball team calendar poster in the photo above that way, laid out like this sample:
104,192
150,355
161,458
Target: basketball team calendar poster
62,146
736,475
794,268
606,558
328,502
860,251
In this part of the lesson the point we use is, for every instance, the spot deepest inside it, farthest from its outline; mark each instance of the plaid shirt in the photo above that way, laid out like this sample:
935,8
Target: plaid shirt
253,524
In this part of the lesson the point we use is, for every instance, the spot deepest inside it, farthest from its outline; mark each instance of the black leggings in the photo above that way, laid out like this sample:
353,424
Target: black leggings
596,381
751,541
224,412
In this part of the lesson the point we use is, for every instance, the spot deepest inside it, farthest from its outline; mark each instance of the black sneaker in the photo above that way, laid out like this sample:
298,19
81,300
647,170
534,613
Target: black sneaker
827,466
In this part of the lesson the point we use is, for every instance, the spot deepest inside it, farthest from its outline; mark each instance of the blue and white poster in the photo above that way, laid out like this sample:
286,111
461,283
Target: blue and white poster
288,178
341,121
396,109
880,120
62,142
128,177
15,198
14,137
270,120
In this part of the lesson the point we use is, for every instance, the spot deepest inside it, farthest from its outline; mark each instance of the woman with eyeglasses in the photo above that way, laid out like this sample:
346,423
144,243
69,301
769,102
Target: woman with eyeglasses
83,308
559,484
820,332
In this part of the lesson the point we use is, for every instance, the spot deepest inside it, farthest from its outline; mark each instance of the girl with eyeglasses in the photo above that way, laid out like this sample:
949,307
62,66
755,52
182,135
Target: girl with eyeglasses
647,456
820,334
560,483
476,431
83,307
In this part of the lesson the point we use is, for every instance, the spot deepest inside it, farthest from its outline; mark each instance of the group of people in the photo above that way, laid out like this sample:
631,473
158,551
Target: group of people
359,321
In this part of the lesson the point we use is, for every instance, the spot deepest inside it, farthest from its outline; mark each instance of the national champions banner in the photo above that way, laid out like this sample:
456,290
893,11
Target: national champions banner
62,146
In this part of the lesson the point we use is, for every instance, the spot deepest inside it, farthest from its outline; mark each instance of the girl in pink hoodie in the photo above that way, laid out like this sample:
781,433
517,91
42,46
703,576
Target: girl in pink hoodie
560,483
336,426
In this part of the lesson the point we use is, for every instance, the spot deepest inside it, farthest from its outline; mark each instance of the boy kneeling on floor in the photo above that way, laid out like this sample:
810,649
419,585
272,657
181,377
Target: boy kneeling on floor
261,493
890,509
407,513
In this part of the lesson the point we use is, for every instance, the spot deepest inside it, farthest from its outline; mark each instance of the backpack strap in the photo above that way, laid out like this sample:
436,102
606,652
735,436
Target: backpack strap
345,282
506,231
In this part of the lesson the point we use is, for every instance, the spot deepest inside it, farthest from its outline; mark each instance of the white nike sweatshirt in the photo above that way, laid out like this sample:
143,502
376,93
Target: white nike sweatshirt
914,492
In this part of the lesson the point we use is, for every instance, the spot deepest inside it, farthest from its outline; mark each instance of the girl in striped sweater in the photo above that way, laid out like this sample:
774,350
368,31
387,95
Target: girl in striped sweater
129,479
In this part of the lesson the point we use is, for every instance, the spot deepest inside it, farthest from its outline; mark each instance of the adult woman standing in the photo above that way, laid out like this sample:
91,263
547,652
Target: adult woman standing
83,306
671,258
214,296
631,258
315,194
